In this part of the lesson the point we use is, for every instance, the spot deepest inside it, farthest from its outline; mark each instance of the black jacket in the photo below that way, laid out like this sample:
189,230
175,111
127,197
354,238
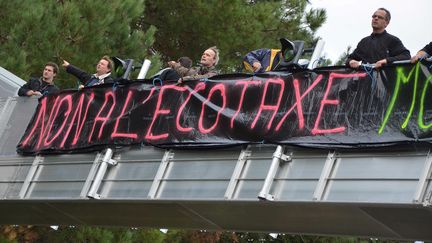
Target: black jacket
37,84
85,78
379,46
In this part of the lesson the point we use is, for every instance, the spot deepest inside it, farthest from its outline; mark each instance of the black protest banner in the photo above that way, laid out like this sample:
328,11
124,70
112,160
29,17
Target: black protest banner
331,107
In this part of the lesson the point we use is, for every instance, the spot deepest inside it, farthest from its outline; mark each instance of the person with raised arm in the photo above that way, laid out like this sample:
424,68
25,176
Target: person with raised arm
102,75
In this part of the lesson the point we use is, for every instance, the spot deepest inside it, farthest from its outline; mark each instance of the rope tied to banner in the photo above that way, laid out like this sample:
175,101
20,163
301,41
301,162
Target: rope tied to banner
204,80
369,69
114,86
78,85
157,79
428,59
317,61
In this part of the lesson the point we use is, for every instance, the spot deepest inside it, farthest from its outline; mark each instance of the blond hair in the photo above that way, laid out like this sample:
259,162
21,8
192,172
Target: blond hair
216,51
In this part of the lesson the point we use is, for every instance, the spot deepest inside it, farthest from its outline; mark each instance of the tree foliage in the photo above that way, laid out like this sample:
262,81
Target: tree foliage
128,235
35,32
186,28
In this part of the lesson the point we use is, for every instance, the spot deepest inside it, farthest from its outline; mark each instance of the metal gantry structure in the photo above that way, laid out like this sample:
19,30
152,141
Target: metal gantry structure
383,193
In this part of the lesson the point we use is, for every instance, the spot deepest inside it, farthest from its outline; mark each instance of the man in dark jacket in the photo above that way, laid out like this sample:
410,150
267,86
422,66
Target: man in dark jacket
423,53
102,75
43,85
262,60
205,69
380,47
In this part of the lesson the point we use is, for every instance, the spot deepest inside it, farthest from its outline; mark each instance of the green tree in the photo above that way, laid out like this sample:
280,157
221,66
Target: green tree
187,28
126,235
342,58
35,32
79,234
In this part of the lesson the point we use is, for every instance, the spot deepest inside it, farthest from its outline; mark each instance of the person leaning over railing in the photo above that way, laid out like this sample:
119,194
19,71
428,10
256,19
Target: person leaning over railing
423,53
380,47
102,75
43,85
264,59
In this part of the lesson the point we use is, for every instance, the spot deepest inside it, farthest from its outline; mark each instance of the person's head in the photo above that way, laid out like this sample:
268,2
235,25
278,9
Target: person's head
380,20
210,57
185,62
49,72
105,65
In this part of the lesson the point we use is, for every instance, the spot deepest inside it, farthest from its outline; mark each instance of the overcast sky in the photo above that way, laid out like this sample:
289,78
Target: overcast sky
348,21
